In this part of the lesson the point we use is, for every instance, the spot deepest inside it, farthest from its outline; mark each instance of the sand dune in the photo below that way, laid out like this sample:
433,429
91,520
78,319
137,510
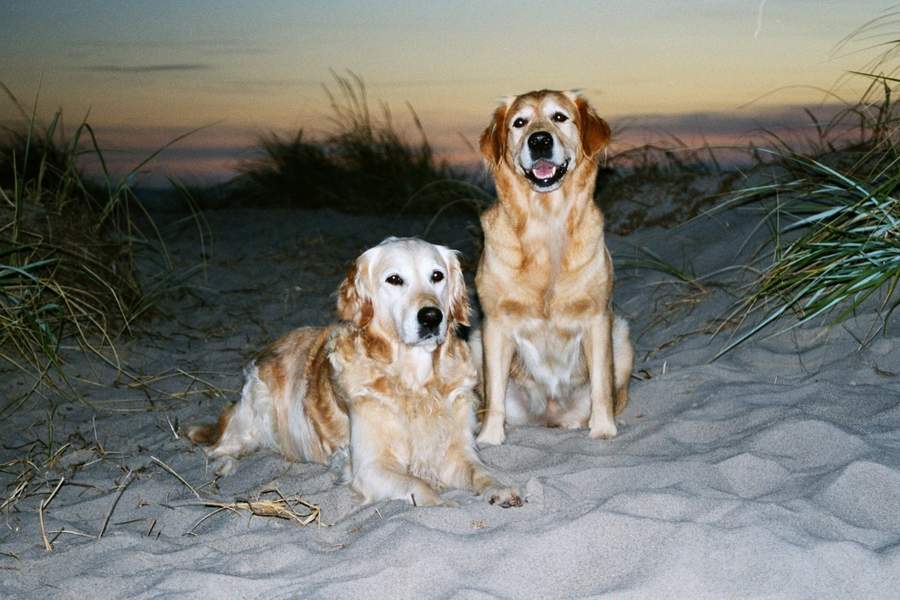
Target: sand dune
772,472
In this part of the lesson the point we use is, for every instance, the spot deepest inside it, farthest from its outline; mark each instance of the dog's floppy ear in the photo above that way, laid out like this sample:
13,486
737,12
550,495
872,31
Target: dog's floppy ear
354,303
493,138
459,295
595,132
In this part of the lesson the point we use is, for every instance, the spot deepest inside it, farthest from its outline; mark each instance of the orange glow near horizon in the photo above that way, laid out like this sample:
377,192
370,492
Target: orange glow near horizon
150,71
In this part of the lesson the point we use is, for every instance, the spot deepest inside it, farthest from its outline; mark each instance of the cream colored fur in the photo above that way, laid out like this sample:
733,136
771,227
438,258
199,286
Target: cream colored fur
399,395
553,351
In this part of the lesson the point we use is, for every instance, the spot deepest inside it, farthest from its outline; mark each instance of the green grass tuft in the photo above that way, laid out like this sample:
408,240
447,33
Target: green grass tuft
836,216
67,251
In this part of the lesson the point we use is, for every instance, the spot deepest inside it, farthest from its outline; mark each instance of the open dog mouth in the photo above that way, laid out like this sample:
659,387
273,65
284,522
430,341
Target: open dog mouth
544,173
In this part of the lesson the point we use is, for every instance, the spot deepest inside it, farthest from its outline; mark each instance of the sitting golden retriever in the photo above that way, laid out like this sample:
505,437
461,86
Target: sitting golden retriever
554,353
392,381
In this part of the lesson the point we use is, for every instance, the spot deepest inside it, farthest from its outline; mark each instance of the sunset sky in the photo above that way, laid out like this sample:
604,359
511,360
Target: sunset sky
148,71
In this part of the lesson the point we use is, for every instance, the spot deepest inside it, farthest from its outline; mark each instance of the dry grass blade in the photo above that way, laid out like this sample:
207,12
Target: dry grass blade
148,384
17,493
121,490
212,390
59,532
48,546
172,427
176,476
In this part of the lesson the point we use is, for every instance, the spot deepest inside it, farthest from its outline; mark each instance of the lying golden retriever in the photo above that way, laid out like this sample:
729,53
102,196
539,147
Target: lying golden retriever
392,381
554,353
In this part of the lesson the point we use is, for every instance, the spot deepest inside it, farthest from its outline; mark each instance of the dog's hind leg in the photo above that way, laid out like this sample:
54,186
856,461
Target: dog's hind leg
237,431
210,434
623,362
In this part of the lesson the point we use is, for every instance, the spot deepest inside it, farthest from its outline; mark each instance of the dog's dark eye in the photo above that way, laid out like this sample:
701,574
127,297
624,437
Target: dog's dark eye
437,276
560,118
520,122
395,280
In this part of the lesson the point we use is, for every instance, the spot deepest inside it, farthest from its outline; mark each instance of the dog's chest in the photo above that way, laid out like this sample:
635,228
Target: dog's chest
425,403
551,353
547,270
428,431
543,247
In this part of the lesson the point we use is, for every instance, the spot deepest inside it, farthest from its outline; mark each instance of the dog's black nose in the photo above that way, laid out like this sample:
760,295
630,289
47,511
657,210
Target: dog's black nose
430,317
540,144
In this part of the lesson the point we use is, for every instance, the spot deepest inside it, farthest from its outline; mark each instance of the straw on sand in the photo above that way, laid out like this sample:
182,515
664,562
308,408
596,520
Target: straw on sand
280,507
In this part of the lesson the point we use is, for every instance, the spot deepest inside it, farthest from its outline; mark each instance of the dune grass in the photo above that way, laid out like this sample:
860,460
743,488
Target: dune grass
67,251
364,165
835,213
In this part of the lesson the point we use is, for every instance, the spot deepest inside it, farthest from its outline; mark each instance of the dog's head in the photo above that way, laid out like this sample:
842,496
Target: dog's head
544,135
408,290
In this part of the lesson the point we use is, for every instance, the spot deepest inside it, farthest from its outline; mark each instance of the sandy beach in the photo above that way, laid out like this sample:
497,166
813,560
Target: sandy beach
772,472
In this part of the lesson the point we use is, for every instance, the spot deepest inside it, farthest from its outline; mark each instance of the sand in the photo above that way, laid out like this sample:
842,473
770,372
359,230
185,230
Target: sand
771,472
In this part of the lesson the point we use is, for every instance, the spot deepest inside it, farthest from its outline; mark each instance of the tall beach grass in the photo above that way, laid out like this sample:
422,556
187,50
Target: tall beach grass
68,249
834,210
365,164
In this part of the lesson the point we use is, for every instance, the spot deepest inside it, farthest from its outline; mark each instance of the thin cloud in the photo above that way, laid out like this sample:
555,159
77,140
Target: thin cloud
272,83
157,68
226,45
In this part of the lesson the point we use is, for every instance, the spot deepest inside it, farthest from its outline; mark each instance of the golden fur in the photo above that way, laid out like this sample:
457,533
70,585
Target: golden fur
399,395
554,353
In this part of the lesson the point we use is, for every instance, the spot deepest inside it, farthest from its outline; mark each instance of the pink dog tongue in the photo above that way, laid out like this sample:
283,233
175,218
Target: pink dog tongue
543,169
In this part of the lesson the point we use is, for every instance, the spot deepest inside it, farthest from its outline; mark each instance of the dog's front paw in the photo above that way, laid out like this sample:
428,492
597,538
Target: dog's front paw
603,429
504,497
492,434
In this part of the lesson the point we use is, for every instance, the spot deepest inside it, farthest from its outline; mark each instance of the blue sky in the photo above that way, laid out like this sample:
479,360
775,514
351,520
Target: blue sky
147,70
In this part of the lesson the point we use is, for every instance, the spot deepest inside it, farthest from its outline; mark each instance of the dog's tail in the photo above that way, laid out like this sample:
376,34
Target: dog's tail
209,435
623,362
